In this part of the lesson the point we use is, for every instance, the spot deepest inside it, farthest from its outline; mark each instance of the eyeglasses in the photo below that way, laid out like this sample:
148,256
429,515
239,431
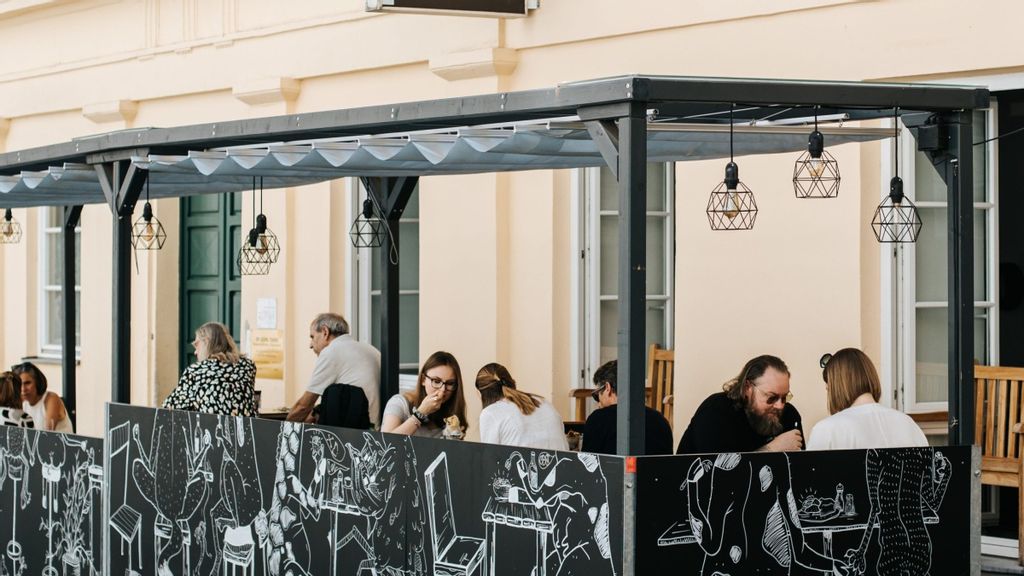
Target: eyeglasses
437,383
773,398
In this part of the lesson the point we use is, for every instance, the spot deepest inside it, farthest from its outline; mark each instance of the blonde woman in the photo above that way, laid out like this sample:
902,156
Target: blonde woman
514,418
858,420
221,381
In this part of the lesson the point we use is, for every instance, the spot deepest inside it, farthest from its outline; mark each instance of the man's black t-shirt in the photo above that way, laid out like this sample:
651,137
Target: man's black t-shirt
600,432
718,426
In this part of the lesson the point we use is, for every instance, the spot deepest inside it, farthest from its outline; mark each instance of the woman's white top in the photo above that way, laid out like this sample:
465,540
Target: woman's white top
503,423
38,413
866,426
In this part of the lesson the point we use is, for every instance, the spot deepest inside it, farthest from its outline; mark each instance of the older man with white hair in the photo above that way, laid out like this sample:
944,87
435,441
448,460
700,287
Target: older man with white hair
340,359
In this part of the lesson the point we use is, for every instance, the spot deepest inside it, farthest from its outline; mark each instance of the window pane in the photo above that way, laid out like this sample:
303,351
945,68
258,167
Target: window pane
54,259
375,321
928,185
656,187
409,329
78,258
54,316
609,256
980,155
609,331
412,208
609,196
656,324
980,262
409,261
374,256
656,256
78,318
933,350
54,217
931,256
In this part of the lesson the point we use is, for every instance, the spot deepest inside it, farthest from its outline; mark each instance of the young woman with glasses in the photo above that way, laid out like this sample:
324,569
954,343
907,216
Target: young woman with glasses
438,397
857,419
514,418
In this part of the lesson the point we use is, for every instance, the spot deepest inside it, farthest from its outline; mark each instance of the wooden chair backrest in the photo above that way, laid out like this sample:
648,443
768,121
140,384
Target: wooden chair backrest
660,377
998,411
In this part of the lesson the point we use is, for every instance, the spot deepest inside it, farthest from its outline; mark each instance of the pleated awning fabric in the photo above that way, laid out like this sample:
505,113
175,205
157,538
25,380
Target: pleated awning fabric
527,146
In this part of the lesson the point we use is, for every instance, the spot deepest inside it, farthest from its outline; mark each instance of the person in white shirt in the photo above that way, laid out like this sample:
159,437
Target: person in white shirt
514,418
340,359
11,413
858,421
46,408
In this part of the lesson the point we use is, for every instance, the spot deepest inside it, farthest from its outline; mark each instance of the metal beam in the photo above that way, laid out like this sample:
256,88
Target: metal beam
391,195
122,183
605,135
960,189
69,341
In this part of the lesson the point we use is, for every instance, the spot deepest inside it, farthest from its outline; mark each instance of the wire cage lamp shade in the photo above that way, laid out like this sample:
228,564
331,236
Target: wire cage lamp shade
816,171
896,219
368,229
10,229
260,247
731,205
148,232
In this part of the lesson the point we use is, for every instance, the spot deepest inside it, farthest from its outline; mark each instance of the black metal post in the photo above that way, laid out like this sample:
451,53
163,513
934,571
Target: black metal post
391,195
632,176
960,189
122,182
69,340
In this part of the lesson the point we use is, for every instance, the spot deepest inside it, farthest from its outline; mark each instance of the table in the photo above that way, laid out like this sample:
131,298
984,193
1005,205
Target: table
518,515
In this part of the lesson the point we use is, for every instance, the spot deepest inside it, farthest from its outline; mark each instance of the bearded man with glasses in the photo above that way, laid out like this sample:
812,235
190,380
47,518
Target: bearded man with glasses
752,413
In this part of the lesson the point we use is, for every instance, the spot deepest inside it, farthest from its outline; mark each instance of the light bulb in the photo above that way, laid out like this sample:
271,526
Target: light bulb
7,228
731,206
263,245
148,233
815,166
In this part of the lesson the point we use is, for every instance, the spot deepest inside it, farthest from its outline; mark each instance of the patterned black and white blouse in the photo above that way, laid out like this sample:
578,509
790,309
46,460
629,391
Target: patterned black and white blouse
216,387
15,417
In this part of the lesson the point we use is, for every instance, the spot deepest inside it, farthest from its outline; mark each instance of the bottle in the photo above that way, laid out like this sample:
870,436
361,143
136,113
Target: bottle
840,501
849,510
532,471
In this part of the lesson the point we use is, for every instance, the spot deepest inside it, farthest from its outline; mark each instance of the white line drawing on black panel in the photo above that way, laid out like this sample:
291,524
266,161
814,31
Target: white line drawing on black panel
75,505
563,499
17,457
172,477
240,495
454,555
905,490
125,520
286,536
744,515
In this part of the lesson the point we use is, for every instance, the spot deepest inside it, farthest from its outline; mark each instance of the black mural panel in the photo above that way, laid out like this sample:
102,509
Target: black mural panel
885,512
51,513
202,494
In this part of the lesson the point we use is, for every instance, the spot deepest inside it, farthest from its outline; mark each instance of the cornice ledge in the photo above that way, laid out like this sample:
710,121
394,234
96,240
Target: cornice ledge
267,90
112,111
475,63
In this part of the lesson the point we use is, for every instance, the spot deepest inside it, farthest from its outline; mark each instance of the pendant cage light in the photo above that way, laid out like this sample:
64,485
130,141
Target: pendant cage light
896,219
731,205
260,247
368,229
10,229
816,171
148,232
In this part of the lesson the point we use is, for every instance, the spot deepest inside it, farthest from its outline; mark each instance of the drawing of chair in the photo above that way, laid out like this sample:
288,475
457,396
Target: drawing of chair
238,550
454,555
162,533
125,520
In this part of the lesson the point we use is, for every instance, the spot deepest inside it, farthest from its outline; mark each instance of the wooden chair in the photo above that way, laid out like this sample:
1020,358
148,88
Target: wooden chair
660,373
998,411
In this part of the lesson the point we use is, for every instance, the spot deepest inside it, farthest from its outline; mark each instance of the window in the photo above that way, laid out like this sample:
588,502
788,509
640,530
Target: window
51,276
366,280
599,271
920,281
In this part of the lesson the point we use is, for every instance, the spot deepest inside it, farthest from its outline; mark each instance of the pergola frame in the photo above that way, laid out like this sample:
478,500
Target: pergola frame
616,112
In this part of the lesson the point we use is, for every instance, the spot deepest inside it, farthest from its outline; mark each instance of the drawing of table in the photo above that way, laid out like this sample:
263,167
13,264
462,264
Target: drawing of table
518,515
337,507
844,524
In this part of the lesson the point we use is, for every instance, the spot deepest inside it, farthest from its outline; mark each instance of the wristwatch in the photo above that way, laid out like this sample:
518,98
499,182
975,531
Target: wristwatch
420,416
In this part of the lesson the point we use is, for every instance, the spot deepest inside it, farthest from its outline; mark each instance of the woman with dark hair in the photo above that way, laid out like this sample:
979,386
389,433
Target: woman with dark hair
857,419
11,413
428,410
221,381
45,408
514,418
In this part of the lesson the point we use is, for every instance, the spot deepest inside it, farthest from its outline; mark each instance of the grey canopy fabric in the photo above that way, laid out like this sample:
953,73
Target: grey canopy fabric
535,145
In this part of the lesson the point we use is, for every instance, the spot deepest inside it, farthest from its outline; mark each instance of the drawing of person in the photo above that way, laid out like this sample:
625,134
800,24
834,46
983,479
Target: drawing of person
744,516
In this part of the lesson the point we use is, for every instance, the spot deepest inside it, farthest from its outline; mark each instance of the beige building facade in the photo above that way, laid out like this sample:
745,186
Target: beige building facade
508,267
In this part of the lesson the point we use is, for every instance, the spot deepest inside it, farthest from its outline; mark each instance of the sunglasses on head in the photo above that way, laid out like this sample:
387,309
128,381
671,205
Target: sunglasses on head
596,394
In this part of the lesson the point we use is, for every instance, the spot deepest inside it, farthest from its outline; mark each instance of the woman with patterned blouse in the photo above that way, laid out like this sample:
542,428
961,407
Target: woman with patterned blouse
222,381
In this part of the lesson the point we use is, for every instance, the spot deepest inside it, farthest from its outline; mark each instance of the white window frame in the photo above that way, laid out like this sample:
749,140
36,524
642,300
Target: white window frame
898,278
47,349
586,275
358,281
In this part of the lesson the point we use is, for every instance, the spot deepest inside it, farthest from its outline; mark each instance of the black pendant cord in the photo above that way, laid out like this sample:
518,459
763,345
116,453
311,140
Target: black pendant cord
816,118
896,136
731,108
261,194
